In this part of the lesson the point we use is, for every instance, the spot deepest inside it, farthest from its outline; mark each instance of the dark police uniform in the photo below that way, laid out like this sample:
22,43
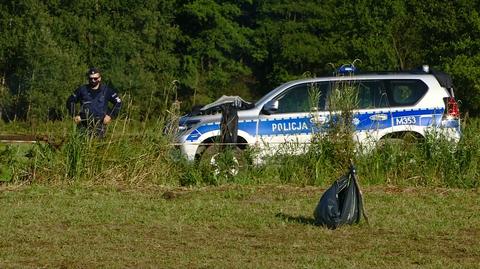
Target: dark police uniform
94,107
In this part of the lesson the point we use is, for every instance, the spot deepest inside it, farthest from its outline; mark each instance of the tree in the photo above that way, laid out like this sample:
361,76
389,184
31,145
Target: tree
47,46
214,46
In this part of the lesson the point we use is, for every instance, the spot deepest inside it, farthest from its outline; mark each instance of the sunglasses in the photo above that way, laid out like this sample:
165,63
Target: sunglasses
93,78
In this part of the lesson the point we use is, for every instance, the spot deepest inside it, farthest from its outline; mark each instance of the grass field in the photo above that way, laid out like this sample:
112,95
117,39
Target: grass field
83,225
130,201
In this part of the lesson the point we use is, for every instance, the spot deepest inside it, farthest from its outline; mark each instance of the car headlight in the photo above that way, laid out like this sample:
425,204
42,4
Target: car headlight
187,125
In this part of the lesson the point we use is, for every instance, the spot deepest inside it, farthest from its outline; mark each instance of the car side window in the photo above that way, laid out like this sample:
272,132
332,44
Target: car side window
372,94
386,93
406,92
302,98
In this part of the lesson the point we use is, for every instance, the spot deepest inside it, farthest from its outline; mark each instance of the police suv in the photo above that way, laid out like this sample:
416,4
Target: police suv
388,105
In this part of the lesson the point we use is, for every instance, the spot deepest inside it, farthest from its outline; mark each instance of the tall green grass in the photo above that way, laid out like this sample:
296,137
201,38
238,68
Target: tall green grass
140,153
434,161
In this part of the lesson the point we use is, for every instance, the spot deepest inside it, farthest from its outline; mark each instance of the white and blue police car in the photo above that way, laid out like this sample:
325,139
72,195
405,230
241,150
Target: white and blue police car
390,104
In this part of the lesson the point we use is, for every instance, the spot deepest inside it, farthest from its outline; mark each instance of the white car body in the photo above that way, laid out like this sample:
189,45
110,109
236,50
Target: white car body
270,132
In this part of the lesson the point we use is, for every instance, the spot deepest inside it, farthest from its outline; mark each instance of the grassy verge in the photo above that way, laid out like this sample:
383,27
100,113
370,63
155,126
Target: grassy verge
232,226
138,155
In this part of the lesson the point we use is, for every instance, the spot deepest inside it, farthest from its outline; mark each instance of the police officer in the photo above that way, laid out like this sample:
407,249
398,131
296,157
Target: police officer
94,112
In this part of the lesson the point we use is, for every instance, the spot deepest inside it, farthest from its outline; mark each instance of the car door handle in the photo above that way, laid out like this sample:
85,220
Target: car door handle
318,120
378,117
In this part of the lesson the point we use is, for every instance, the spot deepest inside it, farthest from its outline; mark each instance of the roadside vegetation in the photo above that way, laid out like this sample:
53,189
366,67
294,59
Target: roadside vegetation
141,154
131,200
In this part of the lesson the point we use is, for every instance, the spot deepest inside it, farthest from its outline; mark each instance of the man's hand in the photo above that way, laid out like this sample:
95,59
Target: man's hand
77,119
107,119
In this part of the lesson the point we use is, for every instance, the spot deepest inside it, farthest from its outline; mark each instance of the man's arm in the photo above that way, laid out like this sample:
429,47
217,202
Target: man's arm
71,101
116,101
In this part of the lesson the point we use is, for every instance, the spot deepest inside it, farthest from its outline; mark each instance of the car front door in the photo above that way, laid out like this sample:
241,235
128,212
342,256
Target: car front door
297,113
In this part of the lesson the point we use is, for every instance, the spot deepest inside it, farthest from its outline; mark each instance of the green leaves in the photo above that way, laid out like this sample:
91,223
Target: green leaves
214,47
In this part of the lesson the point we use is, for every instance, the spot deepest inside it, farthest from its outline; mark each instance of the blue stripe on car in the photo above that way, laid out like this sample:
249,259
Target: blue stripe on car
363,121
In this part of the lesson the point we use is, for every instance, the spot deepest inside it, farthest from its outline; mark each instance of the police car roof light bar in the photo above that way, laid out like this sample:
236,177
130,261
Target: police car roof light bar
346,69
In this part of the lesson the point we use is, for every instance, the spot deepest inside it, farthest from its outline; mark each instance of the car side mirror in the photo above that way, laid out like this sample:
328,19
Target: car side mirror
270,107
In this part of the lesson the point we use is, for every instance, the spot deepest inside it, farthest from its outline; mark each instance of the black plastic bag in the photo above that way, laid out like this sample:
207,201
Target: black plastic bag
341,203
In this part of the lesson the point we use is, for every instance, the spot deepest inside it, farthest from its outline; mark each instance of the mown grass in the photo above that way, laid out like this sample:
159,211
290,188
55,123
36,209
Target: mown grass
232,226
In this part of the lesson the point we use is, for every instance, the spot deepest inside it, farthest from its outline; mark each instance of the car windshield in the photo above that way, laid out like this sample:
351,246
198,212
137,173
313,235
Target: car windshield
270,94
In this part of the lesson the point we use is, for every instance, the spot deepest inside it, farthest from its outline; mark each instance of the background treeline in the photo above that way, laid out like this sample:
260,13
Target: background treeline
157,51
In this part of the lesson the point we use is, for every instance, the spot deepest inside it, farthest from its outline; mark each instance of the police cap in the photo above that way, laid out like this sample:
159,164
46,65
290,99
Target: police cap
93,70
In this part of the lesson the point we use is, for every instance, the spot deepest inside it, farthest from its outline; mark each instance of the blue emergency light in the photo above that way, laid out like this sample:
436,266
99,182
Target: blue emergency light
346,69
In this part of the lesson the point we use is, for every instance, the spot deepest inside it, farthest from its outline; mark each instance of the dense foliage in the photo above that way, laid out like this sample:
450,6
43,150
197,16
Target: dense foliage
154,52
